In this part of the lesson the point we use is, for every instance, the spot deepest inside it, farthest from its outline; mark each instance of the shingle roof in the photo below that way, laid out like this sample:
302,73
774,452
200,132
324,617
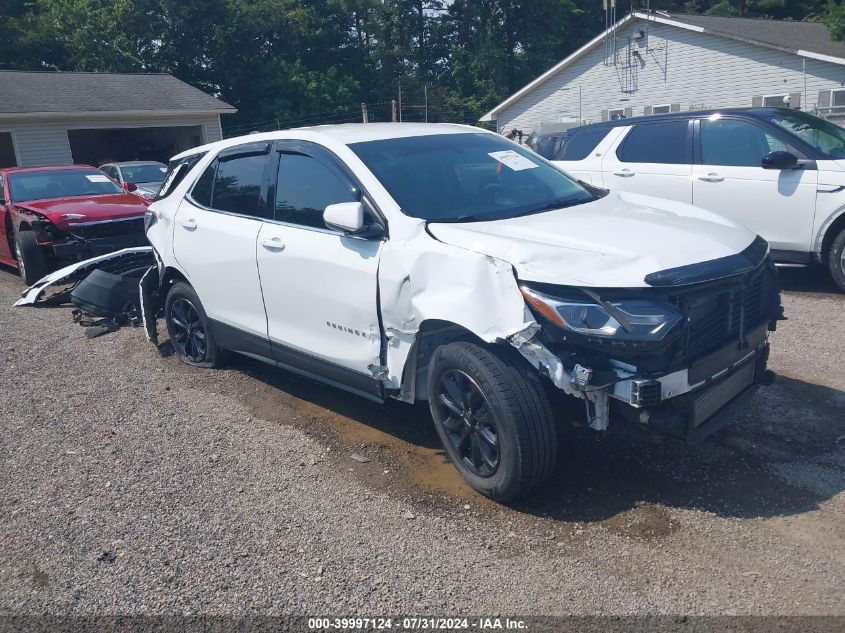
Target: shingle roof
793,36
65,92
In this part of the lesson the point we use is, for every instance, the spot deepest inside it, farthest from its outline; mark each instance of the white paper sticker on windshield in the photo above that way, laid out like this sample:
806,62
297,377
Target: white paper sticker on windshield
98,178
513,160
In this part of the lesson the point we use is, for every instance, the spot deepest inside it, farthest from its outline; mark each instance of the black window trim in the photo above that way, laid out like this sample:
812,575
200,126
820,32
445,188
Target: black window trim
688,141
333,162
230,153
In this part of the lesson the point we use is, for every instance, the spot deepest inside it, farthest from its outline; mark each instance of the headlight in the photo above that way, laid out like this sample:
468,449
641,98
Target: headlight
634,319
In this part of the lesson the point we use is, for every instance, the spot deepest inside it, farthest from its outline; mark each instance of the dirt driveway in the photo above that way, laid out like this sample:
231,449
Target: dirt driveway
133,484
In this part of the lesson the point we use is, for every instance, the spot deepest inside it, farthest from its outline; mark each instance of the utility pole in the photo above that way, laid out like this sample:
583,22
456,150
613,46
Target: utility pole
364,118
425,88
393,110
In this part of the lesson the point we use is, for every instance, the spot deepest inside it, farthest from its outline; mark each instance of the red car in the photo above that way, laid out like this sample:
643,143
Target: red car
52,216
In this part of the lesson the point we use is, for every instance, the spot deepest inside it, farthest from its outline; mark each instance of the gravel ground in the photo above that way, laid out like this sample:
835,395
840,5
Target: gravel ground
133,484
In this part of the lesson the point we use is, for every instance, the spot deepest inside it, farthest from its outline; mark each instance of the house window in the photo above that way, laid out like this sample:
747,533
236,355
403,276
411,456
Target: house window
837,98
661,109
774,101
619,113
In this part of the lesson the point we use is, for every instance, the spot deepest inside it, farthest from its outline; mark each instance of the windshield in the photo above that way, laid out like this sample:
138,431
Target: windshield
143,173
467,177
60,183
826,137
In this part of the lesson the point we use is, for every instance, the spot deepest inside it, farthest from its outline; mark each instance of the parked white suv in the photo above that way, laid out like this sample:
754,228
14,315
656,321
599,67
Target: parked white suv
780,172
445,263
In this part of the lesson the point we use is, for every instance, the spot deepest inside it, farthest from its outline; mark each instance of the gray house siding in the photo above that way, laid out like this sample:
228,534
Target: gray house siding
44,141
682,67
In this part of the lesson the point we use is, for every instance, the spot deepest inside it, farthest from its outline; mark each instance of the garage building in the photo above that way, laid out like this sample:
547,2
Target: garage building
59,118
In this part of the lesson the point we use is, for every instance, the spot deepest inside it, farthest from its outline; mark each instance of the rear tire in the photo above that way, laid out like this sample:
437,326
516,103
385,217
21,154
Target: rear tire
493,418
188,328
836,260
32,262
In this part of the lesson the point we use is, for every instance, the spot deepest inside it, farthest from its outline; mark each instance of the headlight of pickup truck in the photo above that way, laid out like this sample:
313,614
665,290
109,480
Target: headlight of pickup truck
632,319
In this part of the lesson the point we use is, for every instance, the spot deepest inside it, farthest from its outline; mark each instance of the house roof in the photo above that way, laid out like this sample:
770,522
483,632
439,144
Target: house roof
807,39
43,92
789,35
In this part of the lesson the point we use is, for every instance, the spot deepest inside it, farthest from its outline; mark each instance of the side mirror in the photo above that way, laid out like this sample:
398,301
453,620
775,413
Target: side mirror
130,186
780,160
345,216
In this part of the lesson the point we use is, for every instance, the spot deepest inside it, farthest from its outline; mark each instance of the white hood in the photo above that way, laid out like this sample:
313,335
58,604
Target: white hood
613,242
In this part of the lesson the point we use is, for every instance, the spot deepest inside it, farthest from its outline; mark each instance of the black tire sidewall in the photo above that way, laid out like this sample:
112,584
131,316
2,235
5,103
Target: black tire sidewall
835,265
35,261
181,290
502,483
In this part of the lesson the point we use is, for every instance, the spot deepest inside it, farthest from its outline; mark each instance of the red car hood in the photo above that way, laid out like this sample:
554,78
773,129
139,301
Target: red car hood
94,208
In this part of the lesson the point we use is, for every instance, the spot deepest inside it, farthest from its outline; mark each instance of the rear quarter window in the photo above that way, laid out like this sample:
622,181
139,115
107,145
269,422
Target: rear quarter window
579,145
176,172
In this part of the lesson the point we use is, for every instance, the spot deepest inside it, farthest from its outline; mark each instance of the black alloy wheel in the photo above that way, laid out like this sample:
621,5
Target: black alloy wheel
466,418
189,336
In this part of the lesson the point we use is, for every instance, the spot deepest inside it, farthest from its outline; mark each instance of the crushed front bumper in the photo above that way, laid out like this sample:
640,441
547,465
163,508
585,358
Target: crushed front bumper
672,406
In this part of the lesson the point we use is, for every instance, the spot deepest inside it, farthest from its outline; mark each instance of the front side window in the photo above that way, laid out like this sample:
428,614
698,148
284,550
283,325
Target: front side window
233,184
824,136
664,142
580,144
305,187
736,143
467,177
60,183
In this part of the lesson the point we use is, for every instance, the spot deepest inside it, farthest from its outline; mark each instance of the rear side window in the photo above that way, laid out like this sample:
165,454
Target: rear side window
176,172
237,185
305,187
580,144
233,184
665,142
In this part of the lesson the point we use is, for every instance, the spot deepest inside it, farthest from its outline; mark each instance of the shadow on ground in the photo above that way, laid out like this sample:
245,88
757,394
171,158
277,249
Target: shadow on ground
812,279
782,456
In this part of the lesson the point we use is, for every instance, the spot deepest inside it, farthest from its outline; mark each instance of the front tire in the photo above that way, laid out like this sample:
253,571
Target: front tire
493,418
836,260
32,262
188,327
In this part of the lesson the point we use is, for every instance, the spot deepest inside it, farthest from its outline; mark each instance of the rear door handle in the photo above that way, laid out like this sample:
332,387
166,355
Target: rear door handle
711,177
624,173
190,224
273,244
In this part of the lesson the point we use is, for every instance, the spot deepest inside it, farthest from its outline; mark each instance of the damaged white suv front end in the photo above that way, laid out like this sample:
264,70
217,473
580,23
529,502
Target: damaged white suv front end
444,263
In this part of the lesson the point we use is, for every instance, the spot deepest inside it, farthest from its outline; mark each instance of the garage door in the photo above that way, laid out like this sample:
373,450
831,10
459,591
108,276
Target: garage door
98,146
7,150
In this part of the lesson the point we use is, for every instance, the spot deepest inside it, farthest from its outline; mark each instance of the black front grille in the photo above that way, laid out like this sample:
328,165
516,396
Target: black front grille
109,229
718,316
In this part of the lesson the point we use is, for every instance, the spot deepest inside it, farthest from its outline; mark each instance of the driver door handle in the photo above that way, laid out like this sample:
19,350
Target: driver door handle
272,243
624,173
711,177
190,224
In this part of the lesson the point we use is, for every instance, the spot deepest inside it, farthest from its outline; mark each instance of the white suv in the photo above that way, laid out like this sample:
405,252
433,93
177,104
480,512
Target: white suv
447,264
780,172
